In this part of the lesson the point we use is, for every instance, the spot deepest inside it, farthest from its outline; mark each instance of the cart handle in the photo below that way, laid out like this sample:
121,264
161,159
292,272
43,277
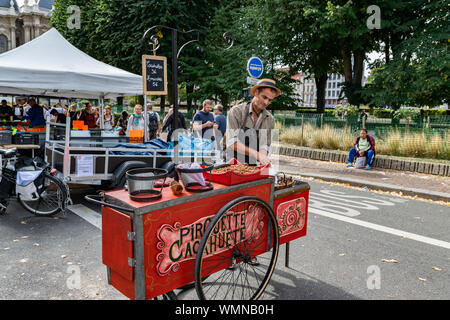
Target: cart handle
90,199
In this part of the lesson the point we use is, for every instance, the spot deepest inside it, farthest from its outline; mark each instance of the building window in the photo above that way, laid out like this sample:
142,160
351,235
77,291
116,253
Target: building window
3,43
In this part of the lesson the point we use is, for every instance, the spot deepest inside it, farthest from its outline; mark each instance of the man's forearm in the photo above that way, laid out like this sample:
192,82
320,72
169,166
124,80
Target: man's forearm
243,149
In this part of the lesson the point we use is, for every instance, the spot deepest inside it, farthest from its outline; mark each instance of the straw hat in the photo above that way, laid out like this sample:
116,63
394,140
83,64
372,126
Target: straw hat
265,83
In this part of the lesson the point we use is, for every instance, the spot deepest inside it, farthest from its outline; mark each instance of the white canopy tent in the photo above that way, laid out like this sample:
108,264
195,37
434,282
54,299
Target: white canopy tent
50,66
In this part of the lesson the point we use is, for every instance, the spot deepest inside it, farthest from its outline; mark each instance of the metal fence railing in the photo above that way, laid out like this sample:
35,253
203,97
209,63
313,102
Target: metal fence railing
425,137
371,122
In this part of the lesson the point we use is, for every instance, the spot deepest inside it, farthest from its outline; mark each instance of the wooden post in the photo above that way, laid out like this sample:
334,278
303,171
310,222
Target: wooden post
303,122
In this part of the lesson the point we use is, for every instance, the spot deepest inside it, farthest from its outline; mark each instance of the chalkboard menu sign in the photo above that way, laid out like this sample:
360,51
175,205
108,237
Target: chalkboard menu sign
154,74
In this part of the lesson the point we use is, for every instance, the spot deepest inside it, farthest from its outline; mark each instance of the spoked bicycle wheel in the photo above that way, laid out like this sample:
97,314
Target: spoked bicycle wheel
51,200
238,251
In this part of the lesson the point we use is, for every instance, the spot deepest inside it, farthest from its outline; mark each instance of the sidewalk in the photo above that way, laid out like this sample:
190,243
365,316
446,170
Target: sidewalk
425,186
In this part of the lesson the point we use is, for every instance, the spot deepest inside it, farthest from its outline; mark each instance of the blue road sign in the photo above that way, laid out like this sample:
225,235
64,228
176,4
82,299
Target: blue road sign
255,67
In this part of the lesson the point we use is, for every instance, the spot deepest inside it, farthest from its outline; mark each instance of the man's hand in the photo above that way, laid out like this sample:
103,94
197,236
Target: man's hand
262,157
209,124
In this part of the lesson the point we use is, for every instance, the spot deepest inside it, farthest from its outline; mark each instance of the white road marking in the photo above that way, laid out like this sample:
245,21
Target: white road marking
87,214
381,228
341,196
332,207
344,202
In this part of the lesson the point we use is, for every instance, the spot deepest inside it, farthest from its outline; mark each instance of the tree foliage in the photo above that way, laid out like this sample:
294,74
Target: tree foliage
222,74
313,36
415,68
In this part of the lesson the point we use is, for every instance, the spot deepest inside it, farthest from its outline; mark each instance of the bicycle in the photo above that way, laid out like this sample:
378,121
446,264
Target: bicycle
52,197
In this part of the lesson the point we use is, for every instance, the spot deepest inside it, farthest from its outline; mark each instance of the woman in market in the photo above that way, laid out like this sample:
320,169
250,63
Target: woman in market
96,116
73,111
136,120
122,123
168,123
87,115
108,122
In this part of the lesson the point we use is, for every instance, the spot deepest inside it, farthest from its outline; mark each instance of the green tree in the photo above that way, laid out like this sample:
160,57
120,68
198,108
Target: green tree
296,34
346,22
78,37
414,70
221,74
112,30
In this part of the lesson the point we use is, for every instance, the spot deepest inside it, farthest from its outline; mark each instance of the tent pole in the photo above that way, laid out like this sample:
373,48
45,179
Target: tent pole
102,118
145,119
66,168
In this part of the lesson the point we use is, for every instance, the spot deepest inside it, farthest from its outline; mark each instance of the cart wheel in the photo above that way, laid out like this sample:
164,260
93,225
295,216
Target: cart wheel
167,296
238,251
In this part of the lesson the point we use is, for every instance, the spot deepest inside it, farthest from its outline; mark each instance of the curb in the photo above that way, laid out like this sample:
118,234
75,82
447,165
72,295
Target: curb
379,161
426,194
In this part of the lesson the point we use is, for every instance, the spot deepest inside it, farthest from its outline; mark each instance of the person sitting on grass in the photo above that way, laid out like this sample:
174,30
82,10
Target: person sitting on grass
364,146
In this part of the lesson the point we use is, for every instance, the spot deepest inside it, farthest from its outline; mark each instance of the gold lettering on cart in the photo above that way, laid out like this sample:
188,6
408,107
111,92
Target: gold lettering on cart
180,243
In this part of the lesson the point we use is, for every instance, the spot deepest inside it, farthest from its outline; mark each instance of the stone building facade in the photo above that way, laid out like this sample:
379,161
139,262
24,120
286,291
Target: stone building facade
22,21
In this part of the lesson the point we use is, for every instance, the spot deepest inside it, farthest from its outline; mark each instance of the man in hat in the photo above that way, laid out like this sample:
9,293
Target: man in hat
250,125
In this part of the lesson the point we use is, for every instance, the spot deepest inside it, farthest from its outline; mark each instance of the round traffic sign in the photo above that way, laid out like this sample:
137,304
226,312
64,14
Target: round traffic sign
255,67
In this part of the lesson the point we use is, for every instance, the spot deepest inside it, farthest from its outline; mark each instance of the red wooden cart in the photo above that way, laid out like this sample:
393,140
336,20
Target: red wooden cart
225,241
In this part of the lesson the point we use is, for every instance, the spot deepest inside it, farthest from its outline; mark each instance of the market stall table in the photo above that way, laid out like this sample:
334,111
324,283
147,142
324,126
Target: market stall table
31,147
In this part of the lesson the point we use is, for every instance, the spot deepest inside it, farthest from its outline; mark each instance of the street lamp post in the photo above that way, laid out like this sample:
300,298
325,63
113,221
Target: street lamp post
175,54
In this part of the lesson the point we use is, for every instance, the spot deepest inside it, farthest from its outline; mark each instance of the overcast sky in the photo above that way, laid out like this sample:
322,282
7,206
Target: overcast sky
371,57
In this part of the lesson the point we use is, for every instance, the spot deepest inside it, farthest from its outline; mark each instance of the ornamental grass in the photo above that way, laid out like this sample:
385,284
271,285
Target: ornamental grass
392,143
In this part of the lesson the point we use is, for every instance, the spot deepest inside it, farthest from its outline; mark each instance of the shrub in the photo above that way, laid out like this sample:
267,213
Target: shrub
345,139
346,110
292,136
389,145
393,142
408,113
383,113
435,147
414,145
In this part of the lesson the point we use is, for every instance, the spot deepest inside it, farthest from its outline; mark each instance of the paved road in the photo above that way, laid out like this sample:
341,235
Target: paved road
359,245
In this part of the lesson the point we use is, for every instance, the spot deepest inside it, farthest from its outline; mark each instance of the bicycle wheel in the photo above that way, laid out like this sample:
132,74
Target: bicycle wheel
51,200
238,251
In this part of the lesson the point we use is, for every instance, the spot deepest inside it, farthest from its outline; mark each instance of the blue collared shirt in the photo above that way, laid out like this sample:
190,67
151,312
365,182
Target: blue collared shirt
36,115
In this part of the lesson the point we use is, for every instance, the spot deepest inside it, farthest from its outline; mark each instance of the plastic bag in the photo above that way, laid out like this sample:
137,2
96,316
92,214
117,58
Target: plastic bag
360,162
192,177
188,143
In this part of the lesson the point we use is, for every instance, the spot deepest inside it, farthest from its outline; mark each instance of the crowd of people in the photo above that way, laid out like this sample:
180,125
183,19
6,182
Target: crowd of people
207,123
38,114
